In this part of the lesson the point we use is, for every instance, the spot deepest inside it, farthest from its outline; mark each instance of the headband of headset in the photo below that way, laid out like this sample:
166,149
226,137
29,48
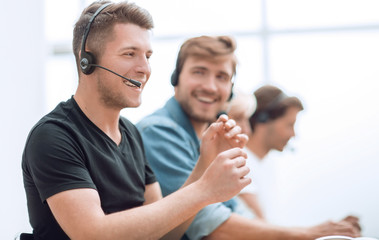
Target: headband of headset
87,59
264,115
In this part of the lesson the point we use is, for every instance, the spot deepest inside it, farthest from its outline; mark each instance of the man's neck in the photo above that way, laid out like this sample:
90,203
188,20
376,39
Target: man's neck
257,146
104,118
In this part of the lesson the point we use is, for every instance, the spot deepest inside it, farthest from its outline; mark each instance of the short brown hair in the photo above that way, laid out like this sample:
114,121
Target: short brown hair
102,26
208,47
272,102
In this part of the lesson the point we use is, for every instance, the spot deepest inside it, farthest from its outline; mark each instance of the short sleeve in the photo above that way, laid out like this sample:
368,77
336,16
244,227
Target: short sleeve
54,162
207,220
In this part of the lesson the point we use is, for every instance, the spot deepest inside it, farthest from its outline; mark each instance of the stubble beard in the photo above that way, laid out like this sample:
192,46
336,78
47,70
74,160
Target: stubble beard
110,98
196,115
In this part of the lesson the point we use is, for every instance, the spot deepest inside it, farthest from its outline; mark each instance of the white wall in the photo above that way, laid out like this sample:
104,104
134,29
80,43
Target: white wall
22,102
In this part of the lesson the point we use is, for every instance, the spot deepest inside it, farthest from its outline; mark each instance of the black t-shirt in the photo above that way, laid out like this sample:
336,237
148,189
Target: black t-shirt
65,150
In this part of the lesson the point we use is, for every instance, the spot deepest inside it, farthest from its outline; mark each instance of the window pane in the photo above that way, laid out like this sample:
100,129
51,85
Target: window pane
173,17
250,65
60,19
318,13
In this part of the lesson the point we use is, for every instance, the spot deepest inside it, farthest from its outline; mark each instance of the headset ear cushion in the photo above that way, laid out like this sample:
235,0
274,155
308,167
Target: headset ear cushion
231,93
86,60
262,117
231,96
174,78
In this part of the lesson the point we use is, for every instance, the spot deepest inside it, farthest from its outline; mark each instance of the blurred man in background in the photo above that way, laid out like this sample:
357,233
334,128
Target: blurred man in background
269,126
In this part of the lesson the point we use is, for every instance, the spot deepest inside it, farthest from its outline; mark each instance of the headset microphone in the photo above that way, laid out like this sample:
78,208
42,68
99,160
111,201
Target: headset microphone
221,113
88,60
134,82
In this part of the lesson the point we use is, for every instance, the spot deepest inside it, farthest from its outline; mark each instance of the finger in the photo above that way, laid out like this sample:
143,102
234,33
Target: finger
354,221
233,153
351,218
213,129
231,123
233,131
356,226
222,118
245,181
243,171
240,161
241,139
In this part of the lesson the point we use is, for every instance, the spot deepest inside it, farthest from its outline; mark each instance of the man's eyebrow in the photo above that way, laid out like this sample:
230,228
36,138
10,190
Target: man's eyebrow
206,69
199,67
128,48
224,73
134,48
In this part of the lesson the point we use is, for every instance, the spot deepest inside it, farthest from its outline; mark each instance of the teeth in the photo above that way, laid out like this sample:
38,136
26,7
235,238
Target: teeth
129,84
206,99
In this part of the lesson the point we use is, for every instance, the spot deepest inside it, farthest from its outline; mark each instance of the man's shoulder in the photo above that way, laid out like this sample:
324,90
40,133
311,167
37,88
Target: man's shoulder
159,118
51,122
60,115
167,116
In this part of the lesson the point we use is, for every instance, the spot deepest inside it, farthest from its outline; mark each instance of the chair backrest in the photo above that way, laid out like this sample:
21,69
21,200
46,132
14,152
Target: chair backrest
24,236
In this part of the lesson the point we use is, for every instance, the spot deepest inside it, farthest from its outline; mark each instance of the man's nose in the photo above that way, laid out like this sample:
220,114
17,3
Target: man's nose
210,83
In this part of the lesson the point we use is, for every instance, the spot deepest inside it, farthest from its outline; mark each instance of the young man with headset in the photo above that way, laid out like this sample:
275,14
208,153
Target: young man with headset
203,81
84,169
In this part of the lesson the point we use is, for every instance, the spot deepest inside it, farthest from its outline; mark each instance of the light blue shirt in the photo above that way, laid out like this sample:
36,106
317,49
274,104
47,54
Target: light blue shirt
172,149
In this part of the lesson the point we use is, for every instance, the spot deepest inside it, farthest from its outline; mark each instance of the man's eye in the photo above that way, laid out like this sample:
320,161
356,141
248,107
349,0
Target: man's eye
223,78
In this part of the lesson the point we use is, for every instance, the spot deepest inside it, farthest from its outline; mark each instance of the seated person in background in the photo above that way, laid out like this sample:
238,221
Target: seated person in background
269,127
203,84
84,168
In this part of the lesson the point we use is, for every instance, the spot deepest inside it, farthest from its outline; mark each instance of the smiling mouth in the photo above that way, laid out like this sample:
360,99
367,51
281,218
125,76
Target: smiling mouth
205,99
127,83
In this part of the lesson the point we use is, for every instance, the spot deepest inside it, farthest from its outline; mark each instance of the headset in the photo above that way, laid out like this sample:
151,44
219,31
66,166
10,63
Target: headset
88,60
175,78
264,115
175,74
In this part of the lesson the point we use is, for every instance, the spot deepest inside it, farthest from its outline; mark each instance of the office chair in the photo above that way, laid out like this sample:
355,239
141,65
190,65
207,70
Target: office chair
24,236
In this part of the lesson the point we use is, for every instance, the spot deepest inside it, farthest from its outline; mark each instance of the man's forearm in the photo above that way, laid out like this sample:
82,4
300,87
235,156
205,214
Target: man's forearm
180,230
80,215
196,173
241,228
251,200
155,219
